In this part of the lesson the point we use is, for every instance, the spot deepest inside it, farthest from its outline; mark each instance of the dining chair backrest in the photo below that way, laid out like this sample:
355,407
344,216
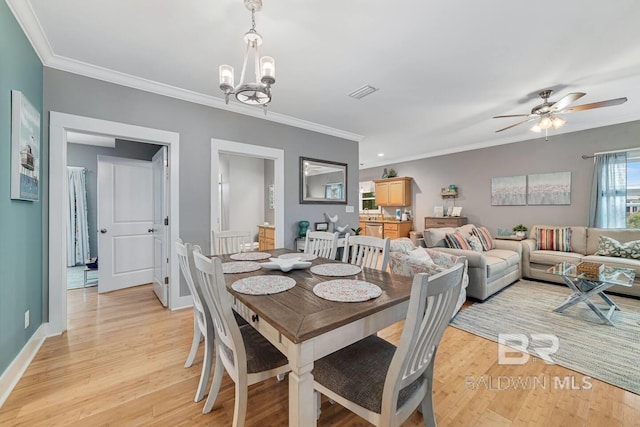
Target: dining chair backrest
367,251
321,243
230,241
431,304
219,302
188,268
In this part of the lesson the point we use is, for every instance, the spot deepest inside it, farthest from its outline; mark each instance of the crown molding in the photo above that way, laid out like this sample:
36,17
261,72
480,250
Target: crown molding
26,17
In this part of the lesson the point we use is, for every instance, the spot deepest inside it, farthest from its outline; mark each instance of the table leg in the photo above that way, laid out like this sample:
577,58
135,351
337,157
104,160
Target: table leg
580,295
302,404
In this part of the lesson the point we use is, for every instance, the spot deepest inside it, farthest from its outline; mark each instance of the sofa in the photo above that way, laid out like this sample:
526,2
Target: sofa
408,260
584,245
489,271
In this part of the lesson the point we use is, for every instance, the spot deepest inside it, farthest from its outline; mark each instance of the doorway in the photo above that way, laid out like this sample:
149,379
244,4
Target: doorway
60,124
221,147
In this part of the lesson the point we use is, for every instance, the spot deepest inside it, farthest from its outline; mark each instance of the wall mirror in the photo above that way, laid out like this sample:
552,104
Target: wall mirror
322,181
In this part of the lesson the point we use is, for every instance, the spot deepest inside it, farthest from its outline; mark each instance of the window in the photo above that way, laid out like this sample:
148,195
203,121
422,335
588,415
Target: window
368,198
633,189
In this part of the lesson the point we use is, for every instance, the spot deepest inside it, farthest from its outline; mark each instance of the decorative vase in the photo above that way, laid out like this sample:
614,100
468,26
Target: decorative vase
520,233
302,228
385,174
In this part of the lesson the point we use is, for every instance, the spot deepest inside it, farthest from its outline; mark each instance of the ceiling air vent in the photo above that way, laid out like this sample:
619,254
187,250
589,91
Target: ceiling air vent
363,91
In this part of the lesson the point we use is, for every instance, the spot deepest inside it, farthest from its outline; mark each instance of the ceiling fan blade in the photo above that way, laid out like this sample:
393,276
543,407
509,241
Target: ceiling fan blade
600,104
514,115
565,101
516,124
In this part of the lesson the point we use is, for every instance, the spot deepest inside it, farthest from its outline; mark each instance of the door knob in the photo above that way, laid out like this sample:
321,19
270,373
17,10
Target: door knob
150,230
103,231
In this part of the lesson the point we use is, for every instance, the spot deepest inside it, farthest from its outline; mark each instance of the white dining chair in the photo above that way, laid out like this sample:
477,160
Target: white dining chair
246,355
366,251
321,243
384,384
230,241
202,327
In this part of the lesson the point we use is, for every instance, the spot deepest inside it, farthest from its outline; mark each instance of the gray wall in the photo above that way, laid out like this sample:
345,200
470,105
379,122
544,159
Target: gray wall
87,156
197,124
472,171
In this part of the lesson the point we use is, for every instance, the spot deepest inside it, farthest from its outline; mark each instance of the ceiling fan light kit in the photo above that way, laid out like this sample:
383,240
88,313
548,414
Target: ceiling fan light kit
547,113
253,93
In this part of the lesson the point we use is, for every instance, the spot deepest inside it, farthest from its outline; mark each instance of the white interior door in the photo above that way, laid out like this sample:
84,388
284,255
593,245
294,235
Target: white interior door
160,225
125,222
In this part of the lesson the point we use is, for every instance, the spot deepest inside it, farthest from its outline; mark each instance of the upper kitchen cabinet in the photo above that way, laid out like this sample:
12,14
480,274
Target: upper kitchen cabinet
393,191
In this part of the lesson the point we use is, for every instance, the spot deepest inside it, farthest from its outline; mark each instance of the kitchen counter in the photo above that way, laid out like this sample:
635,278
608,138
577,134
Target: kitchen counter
388,221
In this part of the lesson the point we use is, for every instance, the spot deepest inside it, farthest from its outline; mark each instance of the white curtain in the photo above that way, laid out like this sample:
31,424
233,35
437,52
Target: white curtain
608,205
77,223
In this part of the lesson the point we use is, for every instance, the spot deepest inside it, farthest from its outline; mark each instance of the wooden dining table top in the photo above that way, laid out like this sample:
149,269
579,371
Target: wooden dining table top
300,315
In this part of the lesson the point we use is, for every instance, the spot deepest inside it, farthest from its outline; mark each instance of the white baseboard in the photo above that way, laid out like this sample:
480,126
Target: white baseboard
14,372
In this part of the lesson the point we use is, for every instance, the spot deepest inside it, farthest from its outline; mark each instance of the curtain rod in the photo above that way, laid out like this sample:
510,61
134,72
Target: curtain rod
587,156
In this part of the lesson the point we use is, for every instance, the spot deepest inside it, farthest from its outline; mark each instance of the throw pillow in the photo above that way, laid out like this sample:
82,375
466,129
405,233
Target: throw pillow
456,241
485,238
611,247
475,243
420,253
403,244
554,239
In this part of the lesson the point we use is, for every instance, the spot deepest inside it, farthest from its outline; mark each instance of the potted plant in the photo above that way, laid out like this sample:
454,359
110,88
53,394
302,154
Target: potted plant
520,230
357,231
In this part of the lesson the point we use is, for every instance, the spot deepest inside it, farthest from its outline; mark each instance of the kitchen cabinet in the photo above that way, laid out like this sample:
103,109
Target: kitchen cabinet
395,230
266,237
393,191
363,226
444,221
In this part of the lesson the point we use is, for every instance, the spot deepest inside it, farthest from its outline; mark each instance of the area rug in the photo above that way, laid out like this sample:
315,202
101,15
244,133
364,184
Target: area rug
608,353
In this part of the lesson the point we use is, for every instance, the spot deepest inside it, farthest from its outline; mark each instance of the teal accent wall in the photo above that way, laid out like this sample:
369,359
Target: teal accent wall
21,237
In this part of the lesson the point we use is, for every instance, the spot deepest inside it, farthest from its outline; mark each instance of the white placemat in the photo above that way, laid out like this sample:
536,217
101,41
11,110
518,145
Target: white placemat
336,269
345,290
250,256
240,267
263,285
302,256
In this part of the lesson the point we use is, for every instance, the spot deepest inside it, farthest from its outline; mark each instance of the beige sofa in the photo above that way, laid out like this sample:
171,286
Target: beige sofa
584,243
489,271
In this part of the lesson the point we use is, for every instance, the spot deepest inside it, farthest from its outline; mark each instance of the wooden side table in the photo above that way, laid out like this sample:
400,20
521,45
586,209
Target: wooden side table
512,237
444,221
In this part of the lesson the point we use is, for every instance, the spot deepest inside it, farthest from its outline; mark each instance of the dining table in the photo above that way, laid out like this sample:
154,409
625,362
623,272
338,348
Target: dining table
306,327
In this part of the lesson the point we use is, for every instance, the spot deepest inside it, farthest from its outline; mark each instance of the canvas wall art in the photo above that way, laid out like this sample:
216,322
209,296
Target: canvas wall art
549,189
509,190
25,148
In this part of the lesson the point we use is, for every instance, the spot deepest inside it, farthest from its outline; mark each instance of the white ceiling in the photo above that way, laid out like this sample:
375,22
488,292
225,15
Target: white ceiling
444,68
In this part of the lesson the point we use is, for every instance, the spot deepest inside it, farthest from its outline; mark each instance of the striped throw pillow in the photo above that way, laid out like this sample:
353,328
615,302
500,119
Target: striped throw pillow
456,241
554,239
485,237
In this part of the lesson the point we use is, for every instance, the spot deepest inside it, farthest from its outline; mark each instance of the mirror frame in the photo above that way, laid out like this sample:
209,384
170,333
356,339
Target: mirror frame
303,183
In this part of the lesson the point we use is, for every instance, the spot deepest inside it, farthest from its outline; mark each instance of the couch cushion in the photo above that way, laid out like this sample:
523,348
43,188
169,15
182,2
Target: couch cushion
616,262
578,237
554,257
622,236
495,266
435,237
612,248
512,258
554,239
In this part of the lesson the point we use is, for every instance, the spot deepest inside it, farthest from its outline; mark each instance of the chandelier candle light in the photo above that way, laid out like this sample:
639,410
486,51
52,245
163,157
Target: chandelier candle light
258,92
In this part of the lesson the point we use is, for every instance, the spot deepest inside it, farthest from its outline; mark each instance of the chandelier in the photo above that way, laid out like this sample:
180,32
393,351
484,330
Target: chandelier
251,93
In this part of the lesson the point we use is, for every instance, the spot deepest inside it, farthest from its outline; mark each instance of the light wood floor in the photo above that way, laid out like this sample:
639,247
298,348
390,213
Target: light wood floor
121,364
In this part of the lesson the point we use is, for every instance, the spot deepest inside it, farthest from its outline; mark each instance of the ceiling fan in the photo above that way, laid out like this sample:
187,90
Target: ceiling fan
547,113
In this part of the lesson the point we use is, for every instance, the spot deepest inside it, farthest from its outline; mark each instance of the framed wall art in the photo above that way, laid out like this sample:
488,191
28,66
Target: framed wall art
549,189
509,190
321,226
25,148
